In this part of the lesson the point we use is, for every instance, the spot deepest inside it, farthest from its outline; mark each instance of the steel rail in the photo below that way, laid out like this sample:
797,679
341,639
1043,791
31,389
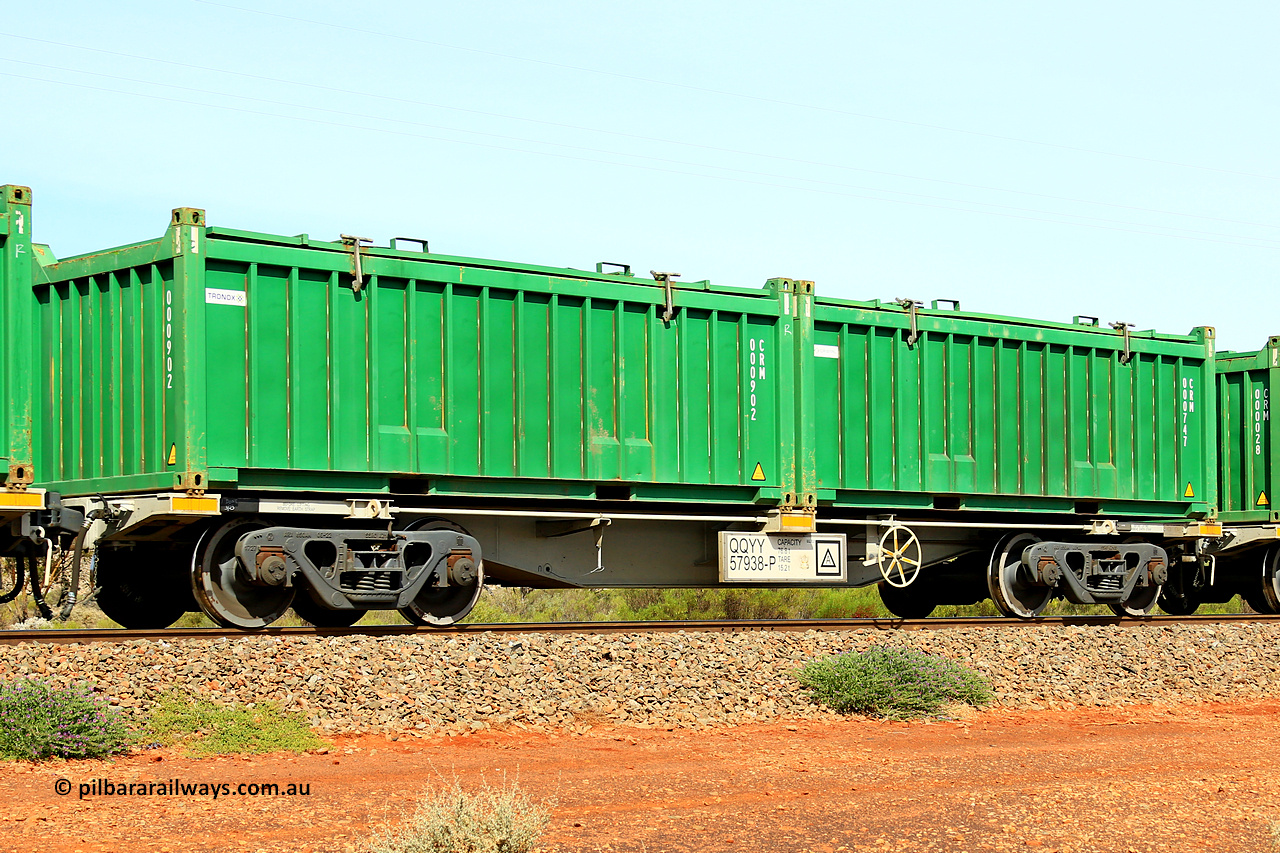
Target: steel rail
120,635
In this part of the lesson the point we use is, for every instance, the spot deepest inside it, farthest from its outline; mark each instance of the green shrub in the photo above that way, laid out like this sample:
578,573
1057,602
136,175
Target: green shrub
452,820
39,721
210,729
898,684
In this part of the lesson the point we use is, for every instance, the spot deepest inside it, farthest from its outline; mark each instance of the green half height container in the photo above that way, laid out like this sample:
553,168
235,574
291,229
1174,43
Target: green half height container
1247,434
930,408
229,360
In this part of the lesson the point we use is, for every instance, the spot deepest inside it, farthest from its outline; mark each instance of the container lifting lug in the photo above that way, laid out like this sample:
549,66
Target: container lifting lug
1123,328
423,247
911,305
665,277
357,268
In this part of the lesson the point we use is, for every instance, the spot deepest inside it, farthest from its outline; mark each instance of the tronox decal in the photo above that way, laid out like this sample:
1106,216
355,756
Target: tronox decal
217,296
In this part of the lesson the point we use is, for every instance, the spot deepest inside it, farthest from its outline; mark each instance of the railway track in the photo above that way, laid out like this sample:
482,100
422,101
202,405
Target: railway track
54,636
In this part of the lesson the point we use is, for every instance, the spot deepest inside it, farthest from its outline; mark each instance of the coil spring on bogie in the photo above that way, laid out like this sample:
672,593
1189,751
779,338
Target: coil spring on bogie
370,581
1108,583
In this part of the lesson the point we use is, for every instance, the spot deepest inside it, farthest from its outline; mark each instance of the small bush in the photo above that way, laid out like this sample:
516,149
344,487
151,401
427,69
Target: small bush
38,721
452,820
211,729
898,684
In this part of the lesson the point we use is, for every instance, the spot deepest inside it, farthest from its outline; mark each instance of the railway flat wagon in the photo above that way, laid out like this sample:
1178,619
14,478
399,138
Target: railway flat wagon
251,422
230,390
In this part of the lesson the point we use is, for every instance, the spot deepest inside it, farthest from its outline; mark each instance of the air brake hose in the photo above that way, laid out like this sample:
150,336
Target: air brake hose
33,567
74,586
18,582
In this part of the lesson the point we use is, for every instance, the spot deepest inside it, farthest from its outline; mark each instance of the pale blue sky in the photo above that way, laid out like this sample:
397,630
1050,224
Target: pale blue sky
1037,159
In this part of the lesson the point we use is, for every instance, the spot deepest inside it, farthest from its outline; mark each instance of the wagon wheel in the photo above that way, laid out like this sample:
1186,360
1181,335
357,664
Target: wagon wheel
899,548
442,606
141,587
1265,597
1142,603
323,617
1012,589
907,602
224,588
1144,599
1179,596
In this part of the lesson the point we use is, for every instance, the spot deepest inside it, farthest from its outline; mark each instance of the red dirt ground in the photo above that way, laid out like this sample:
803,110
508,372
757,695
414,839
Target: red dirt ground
1119,779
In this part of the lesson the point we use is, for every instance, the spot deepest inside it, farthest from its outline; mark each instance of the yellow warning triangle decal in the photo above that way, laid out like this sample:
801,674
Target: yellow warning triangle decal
173,454
1190,492
758,474
1262,500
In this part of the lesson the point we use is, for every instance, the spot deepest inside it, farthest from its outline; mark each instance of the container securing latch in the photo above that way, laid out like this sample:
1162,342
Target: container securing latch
1123,328
665,277
357,269
911,305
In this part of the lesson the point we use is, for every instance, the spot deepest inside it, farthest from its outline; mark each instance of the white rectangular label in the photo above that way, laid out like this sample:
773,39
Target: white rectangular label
826,351
1146,528
215,296
782,557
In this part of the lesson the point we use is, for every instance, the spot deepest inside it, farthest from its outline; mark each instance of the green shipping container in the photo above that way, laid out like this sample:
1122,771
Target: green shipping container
920,409
1247,435
231,360
17,345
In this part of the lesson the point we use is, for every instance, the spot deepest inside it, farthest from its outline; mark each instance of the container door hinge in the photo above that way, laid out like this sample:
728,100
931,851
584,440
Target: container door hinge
665,277
357,267
911,305
1123,328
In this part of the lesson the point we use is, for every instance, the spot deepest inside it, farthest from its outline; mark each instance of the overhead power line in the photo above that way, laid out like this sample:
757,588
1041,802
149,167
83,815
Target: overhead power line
1237,239
609,132
611,153
731,94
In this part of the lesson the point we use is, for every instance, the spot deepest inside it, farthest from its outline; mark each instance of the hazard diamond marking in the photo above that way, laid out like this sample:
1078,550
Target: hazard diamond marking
830,560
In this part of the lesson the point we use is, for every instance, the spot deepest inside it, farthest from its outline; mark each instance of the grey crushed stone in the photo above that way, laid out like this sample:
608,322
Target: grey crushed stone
427,683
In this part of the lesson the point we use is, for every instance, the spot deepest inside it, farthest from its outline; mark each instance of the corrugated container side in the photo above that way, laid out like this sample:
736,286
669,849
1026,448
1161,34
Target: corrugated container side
450,371
998,413
250,361
110,410
1247,434
16,358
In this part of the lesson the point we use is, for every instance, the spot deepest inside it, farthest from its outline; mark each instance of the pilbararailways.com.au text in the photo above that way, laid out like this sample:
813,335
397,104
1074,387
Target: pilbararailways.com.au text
180,788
